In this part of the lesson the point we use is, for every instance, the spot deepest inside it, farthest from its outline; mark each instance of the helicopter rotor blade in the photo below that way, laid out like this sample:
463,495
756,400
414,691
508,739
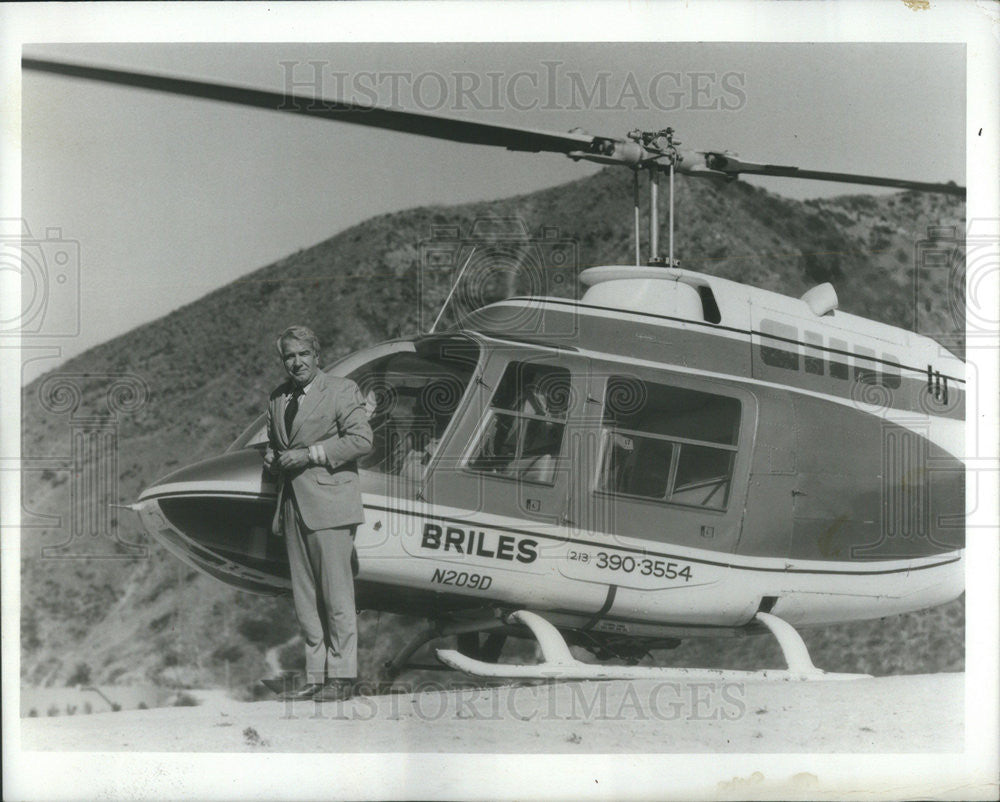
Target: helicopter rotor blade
431,125
730,166
576,145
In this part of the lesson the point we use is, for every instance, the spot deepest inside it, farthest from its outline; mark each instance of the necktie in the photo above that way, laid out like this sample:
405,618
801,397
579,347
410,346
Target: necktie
291,408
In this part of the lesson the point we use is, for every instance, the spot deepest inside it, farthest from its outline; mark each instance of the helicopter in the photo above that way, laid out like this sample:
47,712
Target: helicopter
672,455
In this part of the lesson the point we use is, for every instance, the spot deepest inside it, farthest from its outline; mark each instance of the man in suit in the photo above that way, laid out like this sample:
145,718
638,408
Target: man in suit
317,428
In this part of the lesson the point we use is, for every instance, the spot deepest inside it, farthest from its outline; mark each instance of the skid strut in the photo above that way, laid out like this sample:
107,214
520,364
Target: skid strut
559,663
490,622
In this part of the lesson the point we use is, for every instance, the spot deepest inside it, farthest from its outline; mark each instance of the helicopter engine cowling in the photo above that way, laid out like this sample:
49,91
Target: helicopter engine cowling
650,290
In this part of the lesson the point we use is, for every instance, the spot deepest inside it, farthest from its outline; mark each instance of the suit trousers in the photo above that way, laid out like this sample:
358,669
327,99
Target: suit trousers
323,591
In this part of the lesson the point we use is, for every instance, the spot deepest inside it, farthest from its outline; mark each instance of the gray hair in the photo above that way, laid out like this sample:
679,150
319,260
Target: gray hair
302,335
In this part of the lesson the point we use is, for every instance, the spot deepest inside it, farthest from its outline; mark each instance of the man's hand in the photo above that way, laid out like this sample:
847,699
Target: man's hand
293,459
269,463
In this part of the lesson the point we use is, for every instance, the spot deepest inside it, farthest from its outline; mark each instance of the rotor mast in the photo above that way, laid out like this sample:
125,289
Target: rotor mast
661,155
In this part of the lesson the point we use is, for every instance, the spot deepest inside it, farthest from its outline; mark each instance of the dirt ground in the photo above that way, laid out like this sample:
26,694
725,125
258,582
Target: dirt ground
903,714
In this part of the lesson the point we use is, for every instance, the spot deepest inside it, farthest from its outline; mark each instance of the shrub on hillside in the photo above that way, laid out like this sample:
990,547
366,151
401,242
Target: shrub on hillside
269,625
80,676
229,652
186,700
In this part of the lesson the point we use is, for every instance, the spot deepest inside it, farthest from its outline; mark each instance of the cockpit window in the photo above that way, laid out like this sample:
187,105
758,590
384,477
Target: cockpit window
411,398
412,389
523,435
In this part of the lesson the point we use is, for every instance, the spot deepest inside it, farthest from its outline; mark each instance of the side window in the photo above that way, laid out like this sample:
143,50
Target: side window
411,399
891,376
815,362
838,361
668,443
776,353
525,424
864,357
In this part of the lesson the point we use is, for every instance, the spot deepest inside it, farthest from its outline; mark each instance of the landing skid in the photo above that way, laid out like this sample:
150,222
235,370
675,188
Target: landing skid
488,622
558,664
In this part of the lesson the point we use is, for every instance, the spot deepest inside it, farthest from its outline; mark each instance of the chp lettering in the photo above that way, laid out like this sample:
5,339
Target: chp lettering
479,543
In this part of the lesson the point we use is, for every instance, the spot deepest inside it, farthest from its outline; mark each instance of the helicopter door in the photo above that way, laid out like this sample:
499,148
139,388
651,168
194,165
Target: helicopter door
666,460
509,455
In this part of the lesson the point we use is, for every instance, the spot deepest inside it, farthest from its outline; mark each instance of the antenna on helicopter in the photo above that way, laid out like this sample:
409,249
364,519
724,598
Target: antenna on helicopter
451,292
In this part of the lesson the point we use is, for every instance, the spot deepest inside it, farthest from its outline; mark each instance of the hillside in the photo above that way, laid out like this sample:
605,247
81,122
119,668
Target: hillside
208,366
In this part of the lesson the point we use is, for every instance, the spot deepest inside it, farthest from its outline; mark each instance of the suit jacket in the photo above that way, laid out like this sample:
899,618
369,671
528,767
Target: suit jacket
332,416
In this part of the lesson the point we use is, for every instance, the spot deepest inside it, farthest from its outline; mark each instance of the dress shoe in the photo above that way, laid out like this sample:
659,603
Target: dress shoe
303,693
280,685
335,690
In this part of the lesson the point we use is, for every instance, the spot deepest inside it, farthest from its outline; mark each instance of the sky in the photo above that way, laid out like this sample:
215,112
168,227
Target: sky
165,198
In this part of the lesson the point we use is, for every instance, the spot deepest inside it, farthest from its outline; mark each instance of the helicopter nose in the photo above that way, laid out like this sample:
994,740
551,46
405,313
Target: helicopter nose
235,473
216,516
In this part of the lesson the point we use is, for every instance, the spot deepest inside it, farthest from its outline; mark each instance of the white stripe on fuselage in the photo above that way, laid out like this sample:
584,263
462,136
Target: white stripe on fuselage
733,333
414,509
